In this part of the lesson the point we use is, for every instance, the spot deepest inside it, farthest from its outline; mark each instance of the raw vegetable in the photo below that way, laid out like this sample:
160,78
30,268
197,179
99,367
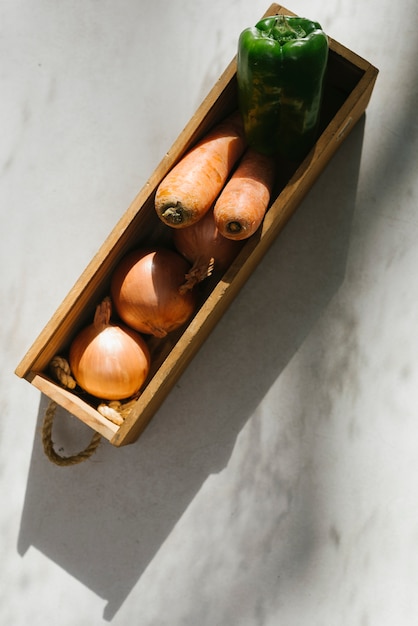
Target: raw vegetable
204,246
145,289
192,185
242,204
109,361
281,65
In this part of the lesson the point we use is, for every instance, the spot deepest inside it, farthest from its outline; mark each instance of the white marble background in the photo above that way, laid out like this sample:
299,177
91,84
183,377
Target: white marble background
278,484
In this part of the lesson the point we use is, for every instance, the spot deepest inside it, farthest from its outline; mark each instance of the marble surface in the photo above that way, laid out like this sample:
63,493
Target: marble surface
278,483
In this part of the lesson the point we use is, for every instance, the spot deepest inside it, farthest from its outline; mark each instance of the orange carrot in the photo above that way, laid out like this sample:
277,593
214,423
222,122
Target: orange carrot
242,204
191,187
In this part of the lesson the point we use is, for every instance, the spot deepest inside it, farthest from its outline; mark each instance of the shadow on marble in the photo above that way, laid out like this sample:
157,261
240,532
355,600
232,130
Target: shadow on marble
103,521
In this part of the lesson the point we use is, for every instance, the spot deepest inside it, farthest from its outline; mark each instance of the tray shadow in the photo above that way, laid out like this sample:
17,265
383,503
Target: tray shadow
103,521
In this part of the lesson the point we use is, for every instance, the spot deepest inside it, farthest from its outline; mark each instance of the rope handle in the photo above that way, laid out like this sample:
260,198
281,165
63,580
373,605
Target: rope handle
48,443
115,411
61,371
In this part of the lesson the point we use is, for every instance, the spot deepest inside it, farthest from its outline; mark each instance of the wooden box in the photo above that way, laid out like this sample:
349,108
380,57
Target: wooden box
349,84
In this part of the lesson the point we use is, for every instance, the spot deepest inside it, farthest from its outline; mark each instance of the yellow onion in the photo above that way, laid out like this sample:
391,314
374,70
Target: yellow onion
145,291
205,248
109,361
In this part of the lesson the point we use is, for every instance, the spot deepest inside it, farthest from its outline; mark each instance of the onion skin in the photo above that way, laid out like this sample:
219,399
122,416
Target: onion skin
145,289
203,245
109,361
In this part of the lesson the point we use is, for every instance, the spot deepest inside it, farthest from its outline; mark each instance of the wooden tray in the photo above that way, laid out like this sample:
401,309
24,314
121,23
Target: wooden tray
349,84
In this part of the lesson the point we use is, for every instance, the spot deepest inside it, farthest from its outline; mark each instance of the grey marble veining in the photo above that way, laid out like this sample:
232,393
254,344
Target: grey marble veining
278,483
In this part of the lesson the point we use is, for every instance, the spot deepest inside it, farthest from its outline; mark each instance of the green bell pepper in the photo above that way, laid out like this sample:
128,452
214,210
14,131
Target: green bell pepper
281,64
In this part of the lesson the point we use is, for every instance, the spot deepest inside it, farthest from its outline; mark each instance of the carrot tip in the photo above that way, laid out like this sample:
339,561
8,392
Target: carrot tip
173,215
233,228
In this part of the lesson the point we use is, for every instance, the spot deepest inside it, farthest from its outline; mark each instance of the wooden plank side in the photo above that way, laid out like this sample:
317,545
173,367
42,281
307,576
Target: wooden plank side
74,405
89,286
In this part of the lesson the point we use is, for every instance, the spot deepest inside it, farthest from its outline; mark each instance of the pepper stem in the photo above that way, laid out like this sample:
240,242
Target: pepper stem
283,32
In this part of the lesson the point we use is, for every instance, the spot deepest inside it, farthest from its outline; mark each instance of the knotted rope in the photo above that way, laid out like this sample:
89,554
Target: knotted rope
61,371
48,443
115,411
